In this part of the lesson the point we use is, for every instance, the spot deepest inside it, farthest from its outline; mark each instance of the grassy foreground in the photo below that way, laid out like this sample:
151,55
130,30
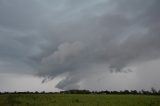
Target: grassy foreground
77,100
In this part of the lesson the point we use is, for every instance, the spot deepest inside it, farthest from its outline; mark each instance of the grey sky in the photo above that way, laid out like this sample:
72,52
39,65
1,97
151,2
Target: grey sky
80,43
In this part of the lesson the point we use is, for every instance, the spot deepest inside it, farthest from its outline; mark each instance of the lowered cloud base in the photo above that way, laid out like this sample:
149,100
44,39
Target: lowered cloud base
77,39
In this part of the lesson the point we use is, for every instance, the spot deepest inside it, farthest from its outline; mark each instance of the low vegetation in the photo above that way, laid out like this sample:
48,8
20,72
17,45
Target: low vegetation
78,100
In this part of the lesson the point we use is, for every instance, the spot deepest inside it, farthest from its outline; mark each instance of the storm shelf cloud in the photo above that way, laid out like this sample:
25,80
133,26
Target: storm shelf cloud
78,39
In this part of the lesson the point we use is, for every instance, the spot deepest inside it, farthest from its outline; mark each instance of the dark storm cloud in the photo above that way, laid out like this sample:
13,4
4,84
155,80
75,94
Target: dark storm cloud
69,37
20,15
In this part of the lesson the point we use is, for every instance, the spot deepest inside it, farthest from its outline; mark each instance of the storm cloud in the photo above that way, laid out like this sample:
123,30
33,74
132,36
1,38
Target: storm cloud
69,37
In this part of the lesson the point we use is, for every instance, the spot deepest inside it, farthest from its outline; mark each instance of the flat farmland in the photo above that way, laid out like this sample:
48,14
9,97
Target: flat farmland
77,100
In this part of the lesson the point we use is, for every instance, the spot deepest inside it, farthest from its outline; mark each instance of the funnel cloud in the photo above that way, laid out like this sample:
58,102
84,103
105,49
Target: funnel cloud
76,39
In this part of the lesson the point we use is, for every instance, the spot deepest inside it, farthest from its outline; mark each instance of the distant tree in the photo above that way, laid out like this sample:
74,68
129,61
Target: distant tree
145,92
133,92
6,92
28,92
114,92
43,92
153,90
159,92
126,92
36,92
107,92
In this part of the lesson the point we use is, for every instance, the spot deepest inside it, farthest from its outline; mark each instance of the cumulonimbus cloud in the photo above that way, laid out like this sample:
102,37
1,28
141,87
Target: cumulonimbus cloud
70,39
119,38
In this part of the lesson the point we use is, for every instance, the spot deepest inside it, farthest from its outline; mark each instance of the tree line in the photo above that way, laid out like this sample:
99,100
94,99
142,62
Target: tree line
133,92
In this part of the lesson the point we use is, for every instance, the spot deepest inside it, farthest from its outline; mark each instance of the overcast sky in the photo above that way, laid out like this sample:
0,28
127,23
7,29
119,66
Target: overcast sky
57,45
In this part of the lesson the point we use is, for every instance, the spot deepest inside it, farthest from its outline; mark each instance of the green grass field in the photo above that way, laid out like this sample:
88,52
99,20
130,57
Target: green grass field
78,100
